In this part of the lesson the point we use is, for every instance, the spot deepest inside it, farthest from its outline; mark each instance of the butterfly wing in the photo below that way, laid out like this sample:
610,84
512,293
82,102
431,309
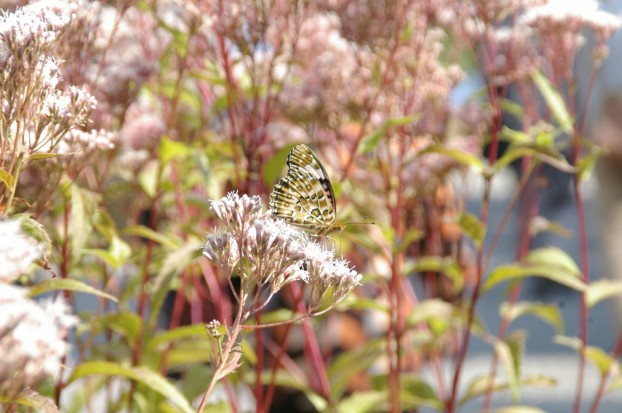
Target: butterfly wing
305,197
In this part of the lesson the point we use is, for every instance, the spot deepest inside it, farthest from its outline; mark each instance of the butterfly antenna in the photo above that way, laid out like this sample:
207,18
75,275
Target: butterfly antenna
360,223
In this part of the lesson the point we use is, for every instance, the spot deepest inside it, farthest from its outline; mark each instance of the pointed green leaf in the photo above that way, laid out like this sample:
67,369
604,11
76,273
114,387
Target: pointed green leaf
596,355
6,178
614,385
463,157
347,364
35,230
443,265
32,399
364,402
554,101
56,284
36,156
274,166
195,331
504,355
480,385
550,263
601,290
473,227
142,375
166,240
369,142
549,313
170,149
415,392
175,262
148,178
125,323
429,309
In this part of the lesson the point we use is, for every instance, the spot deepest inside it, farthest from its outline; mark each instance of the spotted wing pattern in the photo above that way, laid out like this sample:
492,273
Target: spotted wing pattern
305,197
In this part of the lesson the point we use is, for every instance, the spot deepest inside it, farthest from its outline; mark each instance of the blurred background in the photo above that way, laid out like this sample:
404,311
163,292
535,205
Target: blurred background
466,131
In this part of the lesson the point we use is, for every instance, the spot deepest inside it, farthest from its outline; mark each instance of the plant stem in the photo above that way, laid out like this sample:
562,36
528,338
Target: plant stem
226,352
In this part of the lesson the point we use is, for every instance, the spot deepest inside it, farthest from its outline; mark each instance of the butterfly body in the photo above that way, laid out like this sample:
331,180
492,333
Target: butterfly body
305,197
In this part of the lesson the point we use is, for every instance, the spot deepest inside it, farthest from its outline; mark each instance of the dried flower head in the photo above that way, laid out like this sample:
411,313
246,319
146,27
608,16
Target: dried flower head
32,338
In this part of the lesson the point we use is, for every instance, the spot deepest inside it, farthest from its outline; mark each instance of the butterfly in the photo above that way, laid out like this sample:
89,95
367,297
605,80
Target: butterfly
305,197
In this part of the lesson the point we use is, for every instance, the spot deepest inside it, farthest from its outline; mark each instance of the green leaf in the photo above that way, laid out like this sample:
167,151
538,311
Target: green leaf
174,263
170,149
473,227
429,309
188,353
125,323
282,315
550,263
596,355
602,290
36,156
35,230
364,402
349,363
549,313
481,385
32,399
142,231
515,136
363,303
55,284
274,166
463,157
554,101
415,392
411,235
142,375
117,254
6,178
148,178
586,163
513,108
369,142
446,266
505,356
195,331
614,385
79,220
545,155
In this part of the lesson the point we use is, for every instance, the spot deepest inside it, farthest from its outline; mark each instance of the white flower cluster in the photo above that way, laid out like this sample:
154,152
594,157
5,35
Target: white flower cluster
17,251
31,338
32,342
270,253
31,24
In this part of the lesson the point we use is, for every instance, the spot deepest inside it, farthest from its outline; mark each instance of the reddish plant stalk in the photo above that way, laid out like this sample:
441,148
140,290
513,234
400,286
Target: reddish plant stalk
585,273
64,273
313,355
259,345
492,157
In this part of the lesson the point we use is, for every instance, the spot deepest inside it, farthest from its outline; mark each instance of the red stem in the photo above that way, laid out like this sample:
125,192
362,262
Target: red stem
275,367
585,272
259,366
64,273
313,355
